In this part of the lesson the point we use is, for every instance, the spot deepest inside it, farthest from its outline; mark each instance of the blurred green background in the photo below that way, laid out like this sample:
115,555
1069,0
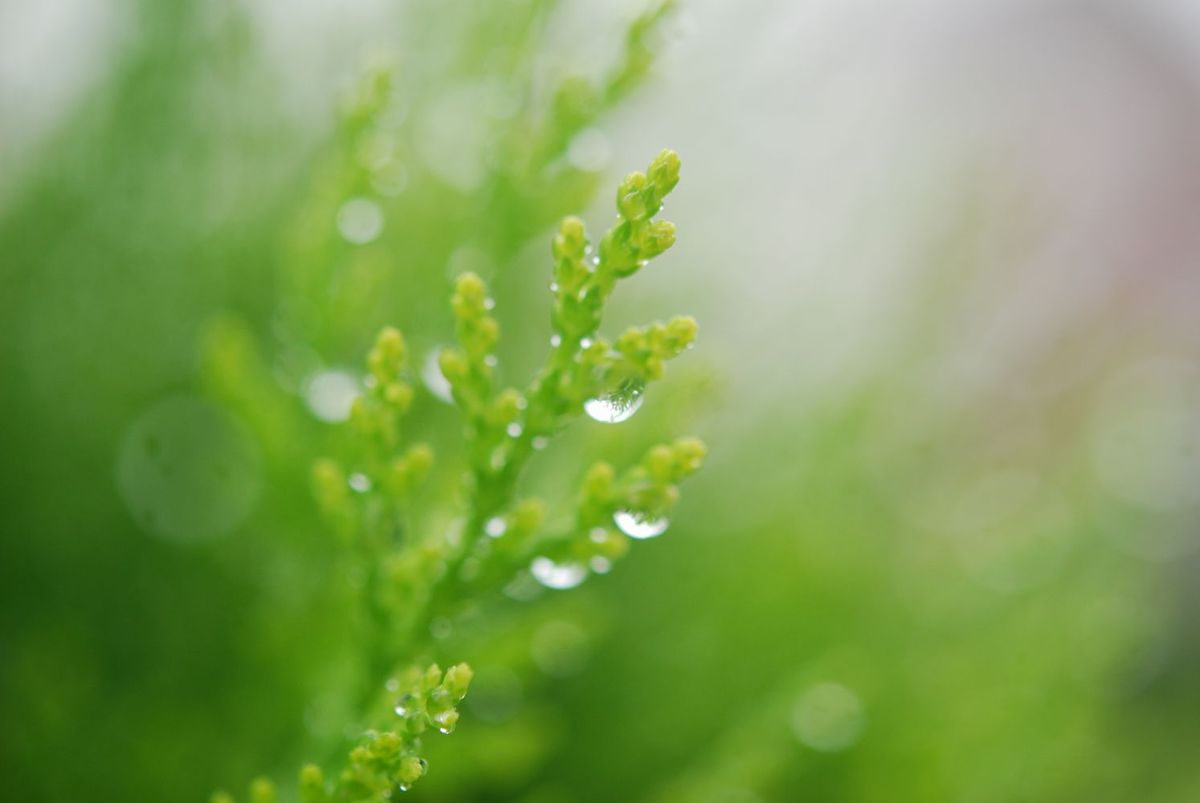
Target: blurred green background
944,260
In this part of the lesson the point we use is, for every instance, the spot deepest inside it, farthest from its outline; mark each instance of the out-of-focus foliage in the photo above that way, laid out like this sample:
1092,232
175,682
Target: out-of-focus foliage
902,589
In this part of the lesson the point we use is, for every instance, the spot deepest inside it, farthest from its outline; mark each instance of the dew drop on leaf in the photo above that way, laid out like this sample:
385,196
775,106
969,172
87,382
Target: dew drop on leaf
404,706
557,575
618,405
639,525
431,375
445,721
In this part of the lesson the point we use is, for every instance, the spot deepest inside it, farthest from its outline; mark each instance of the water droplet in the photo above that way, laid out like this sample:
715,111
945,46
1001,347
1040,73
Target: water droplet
539,443
600,565
639,525
445,720
585,343
489,303
598,535
359,482
514,430
404,787
555,341
495,527
360,220
619,405
431,375
490,361
330,394
828,717
557,575
424,764
405,705
393,684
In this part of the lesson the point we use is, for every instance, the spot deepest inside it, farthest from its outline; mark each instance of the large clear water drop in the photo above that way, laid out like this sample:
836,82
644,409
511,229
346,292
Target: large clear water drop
617,405
639,525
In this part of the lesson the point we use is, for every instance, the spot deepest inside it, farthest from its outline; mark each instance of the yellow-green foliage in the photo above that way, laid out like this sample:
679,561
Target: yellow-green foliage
418,576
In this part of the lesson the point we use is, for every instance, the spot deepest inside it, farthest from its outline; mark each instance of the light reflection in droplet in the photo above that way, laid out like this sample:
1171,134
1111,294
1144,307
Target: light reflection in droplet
495,527
404,706
445,721
639,525
613,408
557,575
359,482
431,375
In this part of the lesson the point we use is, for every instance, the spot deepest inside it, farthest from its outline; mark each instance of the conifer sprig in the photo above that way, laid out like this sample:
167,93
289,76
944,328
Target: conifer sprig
414,577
